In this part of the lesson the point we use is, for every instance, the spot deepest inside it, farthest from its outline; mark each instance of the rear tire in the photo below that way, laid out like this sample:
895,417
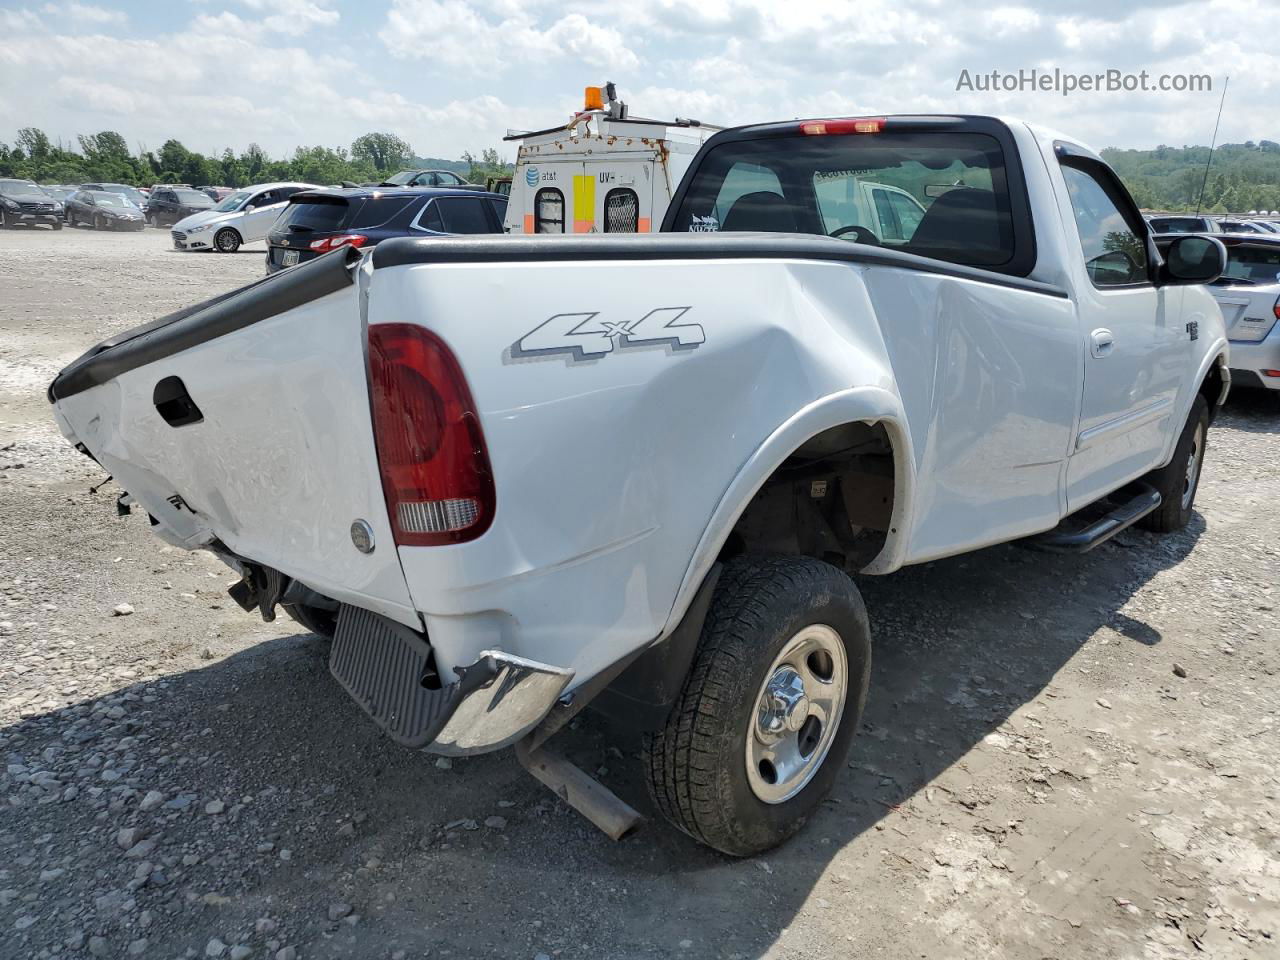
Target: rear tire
1179,481
323,623
57,224
226,241
778,629
153,220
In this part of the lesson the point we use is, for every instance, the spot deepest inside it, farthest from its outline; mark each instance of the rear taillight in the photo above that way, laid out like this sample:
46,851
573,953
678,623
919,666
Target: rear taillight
333,243
843,125
1275,308
431,451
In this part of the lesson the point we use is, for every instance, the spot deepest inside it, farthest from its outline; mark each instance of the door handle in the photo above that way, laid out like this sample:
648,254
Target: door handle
1101,342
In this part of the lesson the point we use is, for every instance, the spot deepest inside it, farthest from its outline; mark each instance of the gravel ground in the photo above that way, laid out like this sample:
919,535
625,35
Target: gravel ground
1063,757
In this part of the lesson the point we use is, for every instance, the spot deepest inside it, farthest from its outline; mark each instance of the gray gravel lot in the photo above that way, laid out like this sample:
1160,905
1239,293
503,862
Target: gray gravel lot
1062,757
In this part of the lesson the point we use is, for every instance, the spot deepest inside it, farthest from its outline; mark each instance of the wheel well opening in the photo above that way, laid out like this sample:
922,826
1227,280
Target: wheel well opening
832,499
1211,388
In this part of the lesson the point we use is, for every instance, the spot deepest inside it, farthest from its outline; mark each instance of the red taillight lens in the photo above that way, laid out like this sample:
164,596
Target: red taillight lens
431,451
817,128
333,243
1275,308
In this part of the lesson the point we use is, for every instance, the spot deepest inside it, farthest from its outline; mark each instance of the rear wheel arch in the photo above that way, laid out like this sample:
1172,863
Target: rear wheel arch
862,407
833,497
1214,384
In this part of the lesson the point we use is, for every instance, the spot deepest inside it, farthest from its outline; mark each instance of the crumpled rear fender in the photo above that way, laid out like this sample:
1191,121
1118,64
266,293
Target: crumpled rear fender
857,404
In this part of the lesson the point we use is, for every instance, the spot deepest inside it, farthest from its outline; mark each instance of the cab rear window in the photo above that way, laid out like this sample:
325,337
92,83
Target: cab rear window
936,194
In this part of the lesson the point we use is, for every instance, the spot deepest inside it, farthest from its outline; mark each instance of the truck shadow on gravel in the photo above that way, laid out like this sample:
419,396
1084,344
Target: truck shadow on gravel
475,859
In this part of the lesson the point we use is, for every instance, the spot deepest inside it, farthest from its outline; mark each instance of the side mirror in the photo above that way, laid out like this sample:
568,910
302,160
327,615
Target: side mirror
1190,259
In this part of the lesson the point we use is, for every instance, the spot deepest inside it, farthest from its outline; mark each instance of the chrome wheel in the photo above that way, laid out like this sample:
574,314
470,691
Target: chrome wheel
797,714
227,241
1194,460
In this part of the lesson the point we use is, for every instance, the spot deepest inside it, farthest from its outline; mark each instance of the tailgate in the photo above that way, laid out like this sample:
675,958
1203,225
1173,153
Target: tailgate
246,419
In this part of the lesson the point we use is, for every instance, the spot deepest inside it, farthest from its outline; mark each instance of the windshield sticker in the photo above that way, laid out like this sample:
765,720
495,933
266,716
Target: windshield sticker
707,224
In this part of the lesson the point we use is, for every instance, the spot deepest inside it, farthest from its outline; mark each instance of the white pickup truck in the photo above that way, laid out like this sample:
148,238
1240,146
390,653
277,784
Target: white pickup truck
513,476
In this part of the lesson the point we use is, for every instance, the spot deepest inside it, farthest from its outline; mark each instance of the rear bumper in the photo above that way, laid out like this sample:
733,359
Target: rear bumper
1250,359
276,256
389,670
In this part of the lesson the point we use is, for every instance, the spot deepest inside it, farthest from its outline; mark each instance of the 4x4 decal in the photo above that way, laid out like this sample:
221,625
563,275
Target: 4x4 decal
584,336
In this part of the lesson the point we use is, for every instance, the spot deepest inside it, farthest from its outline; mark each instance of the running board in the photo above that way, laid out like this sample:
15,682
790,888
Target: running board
1145,499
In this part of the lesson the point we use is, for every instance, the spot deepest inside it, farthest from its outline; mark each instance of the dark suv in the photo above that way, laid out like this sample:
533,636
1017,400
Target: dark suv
317,221
22,203
167,204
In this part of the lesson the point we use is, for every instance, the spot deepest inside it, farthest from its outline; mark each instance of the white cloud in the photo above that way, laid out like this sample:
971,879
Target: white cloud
84,13
452,75
293,17
491,38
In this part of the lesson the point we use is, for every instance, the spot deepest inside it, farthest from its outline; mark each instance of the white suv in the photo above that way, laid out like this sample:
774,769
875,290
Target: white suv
243,217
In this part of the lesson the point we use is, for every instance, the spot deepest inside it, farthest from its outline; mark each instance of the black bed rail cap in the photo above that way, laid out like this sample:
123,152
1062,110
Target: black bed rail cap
500,248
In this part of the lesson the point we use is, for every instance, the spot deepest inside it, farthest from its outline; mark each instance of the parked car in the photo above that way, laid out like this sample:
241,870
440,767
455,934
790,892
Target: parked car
23,203
515,476
1246,226
427,178
318,221
1249,294
242,217
59,192
103,210
132,194
167,205
1179,223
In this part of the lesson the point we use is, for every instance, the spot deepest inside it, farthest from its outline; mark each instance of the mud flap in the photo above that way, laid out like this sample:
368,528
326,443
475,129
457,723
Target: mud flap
388,669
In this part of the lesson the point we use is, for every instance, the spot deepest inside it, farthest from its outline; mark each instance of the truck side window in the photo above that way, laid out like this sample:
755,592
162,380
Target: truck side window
889,227
1114,254
909,214
621,211
548,211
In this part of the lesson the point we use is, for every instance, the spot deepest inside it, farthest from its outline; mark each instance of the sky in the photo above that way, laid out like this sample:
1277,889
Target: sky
455,75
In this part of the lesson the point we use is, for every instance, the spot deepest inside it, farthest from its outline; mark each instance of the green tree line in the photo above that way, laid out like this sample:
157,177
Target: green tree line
1242,177
106,156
